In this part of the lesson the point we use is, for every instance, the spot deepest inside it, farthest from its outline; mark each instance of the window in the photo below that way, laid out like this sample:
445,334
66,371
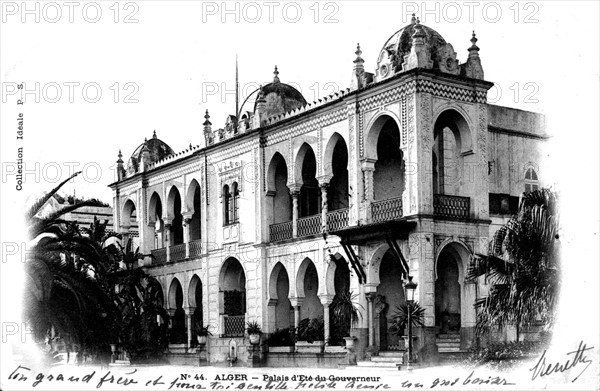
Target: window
531,180
236,200
226,205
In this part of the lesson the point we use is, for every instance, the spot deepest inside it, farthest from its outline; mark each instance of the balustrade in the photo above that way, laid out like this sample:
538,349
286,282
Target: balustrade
385,210
337,219
451,206
310,225
280,231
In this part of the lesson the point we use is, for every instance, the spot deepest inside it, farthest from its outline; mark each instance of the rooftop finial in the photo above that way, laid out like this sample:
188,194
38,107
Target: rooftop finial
474,42
413,20
418,21
206,117
154,134
358,52
120,160
120,154
276,73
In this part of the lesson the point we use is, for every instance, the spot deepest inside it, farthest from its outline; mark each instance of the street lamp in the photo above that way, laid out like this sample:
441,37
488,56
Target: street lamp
410,288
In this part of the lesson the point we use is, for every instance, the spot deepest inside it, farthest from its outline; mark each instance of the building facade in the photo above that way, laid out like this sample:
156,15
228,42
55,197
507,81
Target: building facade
409,171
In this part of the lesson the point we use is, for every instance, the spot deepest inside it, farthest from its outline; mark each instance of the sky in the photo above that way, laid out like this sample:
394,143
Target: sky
159,65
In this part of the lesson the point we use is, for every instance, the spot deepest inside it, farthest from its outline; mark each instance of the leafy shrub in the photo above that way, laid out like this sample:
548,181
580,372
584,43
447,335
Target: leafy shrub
311,330
283,337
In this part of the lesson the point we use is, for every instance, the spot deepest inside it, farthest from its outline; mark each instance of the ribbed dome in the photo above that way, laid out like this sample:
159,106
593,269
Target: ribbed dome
399,45
280,97
158,150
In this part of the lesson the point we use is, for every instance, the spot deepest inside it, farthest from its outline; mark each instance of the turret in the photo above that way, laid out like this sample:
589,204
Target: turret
473,68
208,135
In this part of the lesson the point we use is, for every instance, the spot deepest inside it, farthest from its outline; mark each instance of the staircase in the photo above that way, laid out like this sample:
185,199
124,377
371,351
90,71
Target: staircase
449,348
385,359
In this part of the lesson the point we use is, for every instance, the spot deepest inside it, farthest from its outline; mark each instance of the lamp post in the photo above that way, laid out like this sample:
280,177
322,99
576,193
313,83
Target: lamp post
410,288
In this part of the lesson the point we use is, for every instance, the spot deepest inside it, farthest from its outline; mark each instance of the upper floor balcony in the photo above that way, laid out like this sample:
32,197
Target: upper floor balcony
177,252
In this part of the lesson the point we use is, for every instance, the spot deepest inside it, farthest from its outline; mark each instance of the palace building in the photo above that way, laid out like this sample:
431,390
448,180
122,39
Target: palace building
409,171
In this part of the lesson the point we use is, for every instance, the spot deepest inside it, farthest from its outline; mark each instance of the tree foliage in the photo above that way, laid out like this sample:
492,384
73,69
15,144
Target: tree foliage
522,266
82,285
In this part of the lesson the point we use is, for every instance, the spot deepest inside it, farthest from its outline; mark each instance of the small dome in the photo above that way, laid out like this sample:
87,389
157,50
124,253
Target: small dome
280,97
399,45
157,148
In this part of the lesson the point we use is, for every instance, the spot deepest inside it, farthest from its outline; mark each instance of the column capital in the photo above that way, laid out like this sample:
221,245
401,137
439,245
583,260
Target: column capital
187,216
189,310
368,164
371,296
326,299
324,180
371,287
294,188
296,301
167,222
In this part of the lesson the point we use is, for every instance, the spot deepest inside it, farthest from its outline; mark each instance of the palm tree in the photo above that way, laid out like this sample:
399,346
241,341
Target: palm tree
61,294
522,265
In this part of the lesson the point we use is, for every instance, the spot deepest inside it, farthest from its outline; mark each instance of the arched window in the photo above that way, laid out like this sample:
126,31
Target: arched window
226,205
531,180
236,200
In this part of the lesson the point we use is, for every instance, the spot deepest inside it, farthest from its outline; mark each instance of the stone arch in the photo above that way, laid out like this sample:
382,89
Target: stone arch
306,168
195,283
274,276
458,248
276,159
457,123
155,209
300,274
374,128
232,284
328,153
175,294
336,161
301,154
453,304
375,263
128,213
307,288
190,205
279,302
174,214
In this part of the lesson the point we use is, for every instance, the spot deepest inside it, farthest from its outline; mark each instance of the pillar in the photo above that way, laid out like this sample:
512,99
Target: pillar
371,294
167,233
296,302
326,301
324,208
368,168
187,218
189,311
295,192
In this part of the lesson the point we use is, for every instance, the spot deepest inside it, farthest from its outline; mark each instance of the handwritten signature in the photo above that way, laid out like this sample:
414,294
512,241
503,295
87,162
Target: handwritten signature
575,358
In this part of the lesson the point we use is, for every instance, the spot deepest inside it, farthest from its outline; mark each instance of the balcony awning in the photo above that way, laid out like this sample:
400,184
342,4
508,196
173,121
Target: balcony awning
390,231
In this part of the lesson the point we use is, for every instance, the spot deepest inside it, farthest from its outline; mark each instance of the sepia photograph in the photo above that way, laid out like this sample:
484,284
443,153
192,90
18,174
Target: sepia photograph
299,195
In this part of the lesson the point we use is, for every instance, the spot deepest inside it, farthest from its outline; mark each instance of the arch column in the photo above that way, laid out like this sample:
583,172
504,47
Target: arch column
296,303
370,294
368,169
187,219
189,313
326,301
167,235
272,315
324,185
295,192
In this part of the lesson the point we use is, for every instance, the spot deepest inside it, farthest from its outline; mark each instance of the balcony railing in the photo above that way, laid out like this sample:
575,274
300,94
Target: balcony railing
195,248
337,219
451,206
386,209
234,326
310,225
280,231
178,252
159,255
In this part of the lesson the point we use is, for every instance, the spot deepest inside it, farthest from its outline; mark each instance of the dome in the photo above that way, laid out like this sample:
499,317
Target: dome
399,45
280,97
158,150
